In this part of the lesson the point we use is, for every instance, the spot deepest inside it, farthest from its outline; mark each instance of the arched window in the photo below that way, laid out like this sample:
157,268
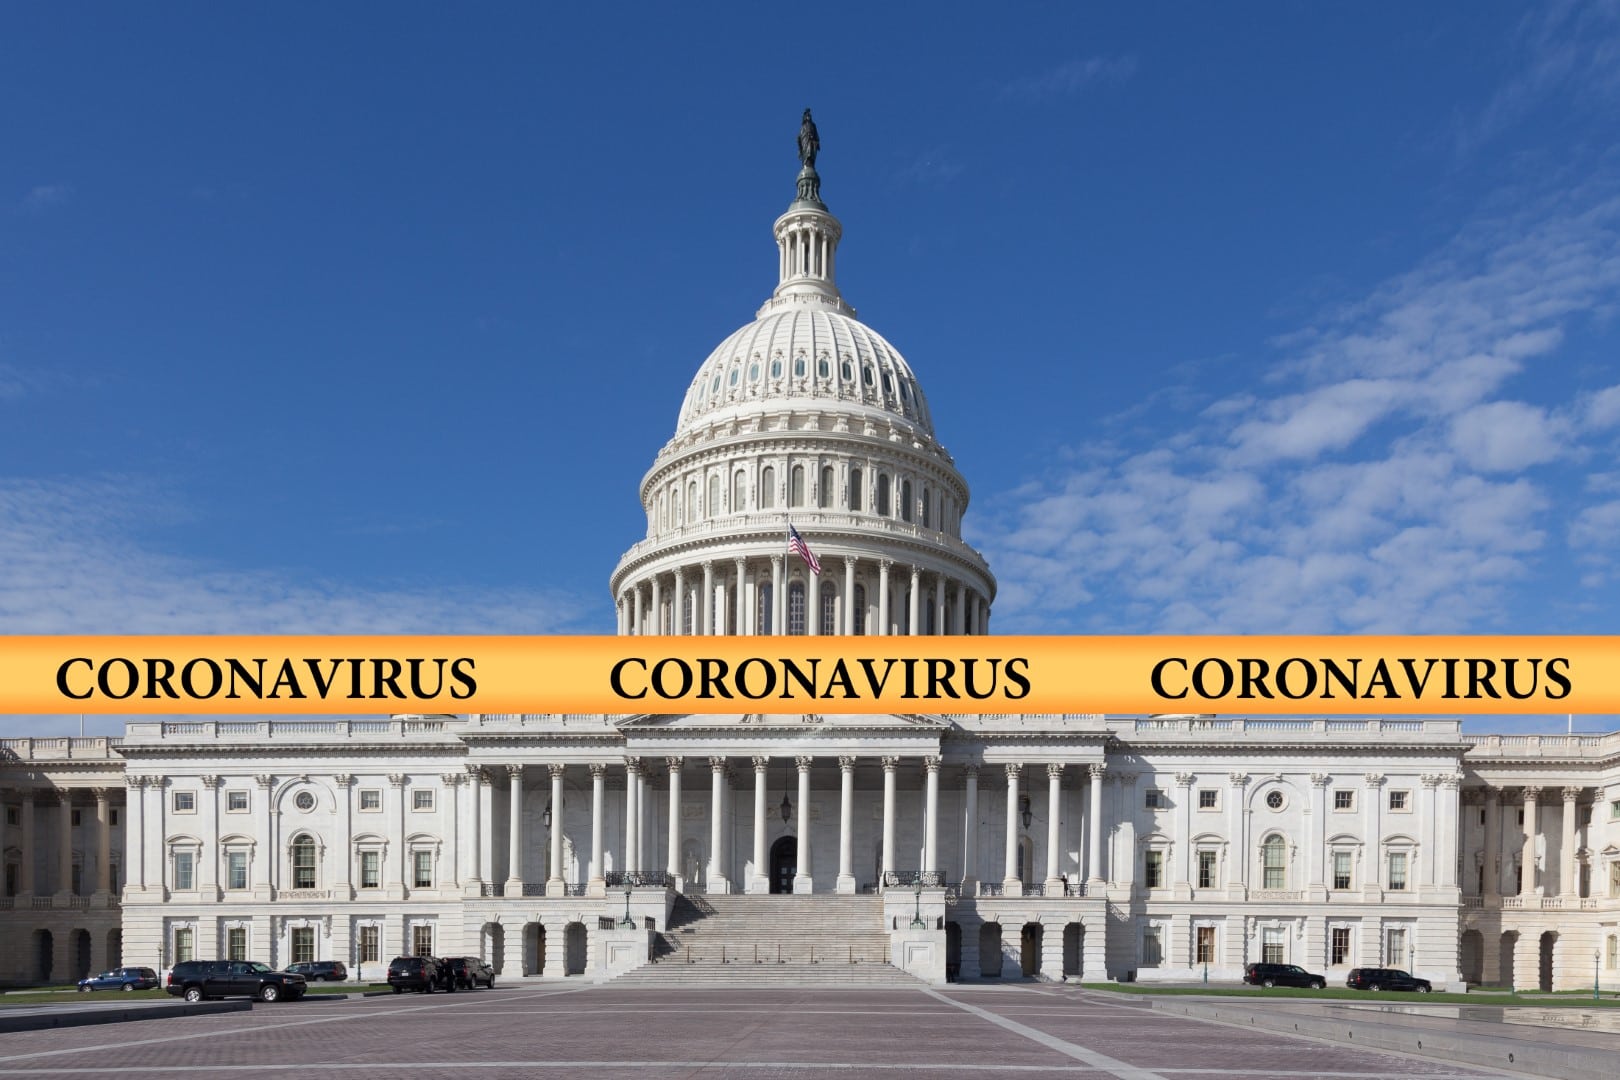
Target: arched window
691,501
1274,862
796,486
762,616
829,479
795,613
860,609
905,500
883,494
926,515
713,509
767,488
675,506
829,612
303,862
854,489
739,493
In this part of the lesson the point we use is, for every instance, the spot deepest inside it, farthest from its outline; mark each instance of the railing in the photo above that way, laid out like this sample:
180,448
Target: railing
304,894
493,888
1238,726
928,879
639,879
1035,888
1473,901
991,888
1276,894
1074,888
534,888
574,888
60,747
774,954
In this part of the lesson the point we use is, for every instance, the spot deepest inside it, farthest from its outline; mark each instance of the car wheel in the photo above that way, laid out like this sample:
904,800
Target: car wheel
193,993
398,989
1374,987
1319,984
1421,989
84,989
1269,983
269,992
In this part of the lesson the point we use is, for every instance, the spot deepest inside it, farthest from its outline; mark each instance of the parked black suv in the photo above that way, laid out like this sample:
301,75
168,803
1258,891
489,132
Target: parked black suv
1386,979
321,970
468,971
198,979
423,973
1282,975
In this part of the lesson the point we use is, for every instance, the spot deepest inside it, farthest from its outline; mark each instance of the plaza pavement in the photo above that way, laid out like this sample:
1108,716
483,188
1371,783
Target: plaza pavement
556,1031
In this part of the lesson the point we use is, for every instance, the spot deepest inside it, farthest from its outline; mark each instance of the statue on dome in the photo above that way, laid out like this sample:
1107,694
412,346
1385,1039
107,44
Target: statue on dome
809,141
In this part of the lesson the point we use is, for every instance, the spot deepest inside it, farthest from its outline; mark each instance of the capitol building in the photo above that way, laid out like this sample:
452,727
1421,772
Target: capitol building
824,847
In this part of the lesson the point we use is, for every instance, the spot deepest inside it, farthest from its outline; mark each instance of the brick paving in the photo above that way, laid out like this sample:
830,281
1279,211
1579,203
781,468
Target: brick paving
756,1034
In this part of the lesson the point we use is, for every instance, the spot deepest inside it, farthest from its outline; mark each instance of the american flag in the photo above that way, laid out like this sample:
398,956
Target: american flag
797,546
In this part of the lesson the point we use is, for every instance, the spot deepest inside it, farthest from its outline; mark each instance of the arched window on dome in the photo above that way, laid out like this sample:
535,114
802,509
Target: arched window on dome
860,609
905,500
767,488
823,368
829,479
663,512
796,486
795,613
675,505
829,612
776,368
303,861
925,507
883,494
739,492
691,501
855,489
798,367
713,507
765,608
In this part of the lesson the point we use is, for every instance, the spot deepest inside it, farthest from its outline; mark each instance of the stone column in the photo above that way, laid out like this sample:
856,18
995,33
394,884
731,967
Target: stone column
103,844
741,599
451,809
1054,811
632,812
1094,876
1527,855
644,833
342,846
208,858
672,863
554,881
913,609
717,818
883,595
759,881
1493,845
475,801
803,882
890,764
677,601
657,606
1569,880
1317,876
598,790
265,851
1449,785
514,831
939,604
931,766
1184,797
1372,788
970,836
1012,885
849,594
959,618
812,604
707,610
1238,813
846,810
134,839
778,596
64,854
1433,849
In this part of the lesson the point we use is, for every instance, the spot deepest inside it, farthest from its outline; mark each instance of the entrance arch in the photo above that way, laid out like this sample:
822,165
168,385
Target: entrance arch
495,946
953,952
990,950
44,947
1029,949
115,947
1472,948
81,954
1071,950
1509,943
784,864
534,949
574,949
1549,941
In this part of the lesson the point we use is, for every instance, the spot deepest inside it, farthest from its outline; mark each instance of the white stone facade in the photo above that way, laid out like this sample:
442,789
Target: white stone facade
1059,846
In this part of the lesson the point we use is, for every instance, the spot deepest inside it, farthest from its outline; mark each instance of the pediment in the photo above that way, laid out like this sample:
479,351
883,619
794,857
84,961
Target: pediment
910,723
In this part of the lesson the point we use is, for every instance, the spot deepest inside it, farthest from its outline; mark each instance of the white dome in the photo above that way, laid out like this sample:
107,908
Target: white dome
805,357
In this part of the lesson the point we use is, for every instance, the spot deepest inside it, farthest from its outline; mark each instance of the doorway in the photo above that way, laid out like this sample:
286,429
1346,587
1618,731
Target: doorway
1029,950
784,864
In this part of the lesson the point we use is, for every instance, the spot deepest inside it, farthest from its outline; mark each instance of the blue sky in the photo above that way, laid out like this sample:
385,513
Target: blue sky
1238,318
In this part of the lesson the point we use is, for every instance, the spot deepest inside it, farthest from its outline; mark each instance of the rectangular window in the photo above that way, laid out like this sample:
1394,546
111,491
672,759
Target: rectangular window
185,802
1339,946
78,879
1341,870
1614,878
1400,801
12,817
1271,946
422,940
236,866
1397,870
1208,799
1155,799
1274,866
423,865
236,802
1395,947
236,943
303,944
422,799
77,818
1152,948
12,869
370,869
370,799
183,948
1153,869
1344,799
1614,809
1583,816
185,865
112,815
370,944
1206,870
1206,946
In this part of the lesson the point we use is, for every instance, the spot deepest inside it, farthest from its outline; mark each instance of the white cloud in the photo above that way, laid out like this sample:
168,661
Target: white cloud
44,196
1069,78
1505,436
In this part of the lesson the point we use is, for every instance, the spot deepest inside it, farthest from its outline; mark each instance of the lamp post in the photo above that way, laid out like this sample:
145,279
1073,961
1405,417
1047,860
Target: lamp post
627,923
916,919
1596,956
